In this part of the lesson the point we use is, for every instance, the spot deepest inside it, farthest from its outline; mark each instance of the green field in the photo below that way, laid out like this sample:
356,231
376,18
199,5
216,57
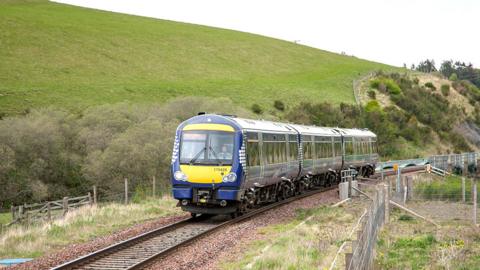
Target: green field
72,57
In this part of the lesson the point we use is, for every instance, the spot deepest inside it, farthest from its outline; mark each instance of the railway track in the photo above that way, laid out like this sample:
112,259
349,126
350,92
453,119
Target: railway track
141,250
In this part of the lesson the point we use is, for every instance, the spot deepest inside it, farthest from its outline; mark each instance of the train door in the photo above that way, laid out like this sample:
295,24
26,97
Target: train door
254,158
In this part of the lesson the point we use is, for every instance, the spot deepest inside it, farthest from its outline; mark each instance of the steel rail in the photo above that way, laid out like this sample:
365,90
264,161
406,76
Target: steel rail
131,242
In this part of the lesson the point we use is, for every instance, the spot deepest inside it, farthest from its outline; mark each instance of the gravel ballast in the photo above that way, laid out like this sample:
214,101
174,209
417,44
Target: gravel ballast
206,252
203,253
74,251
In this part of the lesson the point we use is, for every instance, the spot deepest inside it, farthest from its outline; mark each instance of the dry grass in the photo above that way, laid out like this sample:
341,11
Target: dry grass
80,226
308,242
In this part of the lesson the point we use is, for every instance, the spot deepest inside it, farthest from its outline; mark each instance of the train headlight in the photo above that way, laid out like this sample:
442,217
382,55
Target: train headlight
231,177
180,176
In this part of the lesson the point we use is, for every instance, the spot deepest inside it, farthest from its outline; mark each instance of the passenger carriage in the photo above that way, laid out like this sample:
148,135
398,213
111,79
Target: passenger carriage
224,164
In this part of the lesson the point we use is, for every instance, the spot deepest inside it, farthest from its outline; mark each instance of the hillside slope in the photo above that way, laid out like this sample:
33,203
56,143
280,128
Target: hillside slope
72,57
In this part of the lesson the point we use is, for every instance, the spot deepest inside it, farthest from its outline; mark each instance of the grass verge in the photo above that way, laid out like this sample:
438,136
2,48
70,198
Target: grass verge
307,242
81,226
409,243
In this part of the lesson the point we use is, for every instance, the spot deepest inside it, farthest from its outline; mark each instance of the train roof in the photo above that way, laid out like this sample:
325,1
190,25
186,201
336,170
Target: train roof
251,124
355,132
265,125
314,130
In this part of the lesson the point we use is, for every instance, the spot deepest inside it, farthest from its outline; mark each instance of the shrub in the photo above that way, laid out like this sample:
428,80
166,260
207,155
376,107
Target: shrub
416,81
372,105
372,94
393,87
430,85
279,105
453,77
257,109
445,88
386,85
375,83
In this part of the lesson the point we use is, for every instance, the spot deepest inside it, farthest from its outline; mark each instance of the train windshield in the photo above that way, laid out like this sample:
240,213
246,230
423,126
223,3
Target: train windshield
206,147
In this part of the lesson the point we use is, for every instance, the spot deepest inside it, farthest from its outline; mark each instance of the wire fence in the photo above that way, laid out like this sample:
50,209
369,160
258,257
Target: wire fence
362,255
130,191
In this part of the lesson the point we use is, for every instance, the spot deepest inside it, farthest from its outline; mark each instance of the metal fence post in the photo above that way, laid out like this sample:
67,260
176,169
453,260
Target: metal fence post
463,189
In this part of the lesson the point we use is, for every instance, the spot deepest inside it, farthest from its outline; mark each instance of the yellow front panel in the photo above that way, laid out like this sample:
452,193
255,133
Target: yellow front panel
205,174
219,127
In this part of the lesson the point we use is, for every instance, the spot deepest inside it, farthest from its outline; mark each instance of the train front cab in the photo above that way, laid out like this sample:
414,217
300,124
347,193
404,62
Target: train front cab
206,169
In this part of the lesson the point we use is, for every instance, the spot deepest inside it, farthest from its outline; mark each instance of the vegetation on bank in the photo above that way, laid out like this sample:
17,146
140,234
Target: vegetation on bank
49,154
450,189
309,241
81,225
409,243
74,58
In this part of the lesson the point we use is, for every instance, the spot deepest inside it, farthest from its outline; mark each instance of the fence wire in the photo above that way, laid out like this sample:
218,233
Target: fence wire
362,255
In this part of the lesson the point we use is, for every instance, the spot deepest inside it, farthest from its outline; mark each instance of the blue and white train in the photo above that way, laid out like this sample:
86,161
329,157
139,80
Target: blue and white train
226,165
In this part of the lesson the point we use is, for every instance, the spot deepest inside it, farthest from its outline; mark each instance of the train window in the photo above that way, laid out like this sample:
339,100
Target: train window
292,138
283,152
293,150
306,138
318,150
349,148
253,153
307,150
252,136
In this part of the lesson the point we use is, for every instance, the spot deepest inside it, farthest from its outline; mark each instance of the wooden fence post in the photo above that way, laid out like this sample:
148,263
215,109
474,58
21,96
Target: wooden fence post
20,212
65,205
94,194
475,202
126,190
49,213
12,209
387,203
153,187
90,201
463,189
410,187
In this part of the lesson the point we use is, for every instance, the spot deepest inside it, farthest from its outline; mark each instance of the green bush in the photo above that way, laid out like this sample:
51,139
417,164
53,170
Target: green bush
386,85
445,89
430,85
279,105
373,105
257,109
453,77
372,94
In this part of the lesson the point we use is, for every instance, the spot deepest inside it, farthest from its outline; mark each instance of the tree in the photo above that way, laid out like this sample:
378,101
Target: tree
426,66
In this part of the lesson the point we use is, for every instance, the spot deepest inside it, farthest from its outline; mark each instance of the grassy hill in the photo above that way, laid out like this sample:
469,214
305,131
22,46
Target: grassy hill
71,57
